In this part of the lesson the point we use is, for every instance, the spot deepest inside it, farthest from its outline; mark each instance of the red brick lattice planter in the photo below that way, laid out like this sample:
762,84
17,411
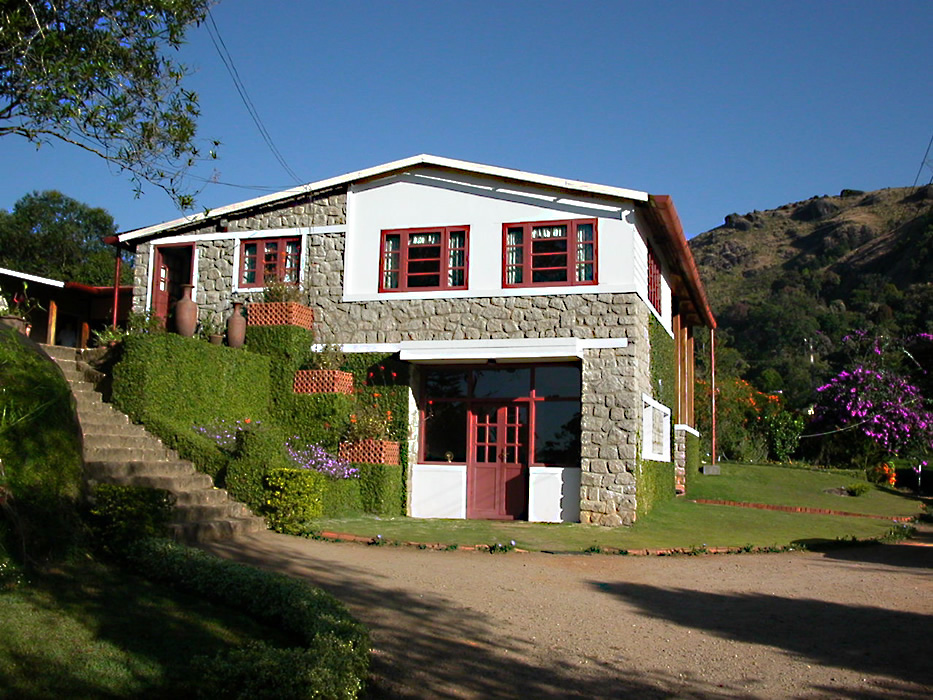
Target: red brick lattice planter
323,381
279,313
370,452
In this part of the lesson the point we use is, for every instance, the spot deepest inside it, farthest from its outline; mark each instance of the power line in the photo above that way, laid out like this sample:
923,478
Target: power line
925,162
227,60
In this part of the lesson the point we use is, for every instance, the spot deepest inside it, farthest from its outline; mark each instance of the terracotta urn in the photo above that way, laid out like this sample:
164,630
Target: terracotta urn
236,326
186,313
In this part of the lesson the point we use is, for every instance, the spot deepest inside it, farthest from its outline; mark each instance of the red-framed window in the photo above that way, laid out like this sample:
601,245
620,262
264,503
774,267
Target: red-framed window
423,259
654,280
452,396
264,259
549,253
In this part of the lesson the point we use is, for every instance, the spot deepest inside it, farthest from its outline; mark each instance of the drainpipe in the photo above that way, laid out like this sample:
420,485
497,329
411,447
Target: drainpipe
712,373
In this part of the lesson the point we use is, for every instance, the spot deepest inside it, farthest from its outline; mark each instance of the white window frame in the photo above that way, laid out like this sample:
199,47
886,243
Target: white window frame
653,411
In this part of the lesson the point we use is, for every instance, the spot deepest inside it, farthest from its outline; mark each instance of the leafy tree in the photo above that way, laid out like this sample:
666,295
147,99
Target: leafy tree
94,73
51,235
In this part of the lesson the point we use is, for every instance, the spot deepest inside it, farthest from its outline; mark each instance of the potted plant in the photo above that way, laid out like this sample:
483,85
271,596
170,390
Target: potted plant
283,304
366,438
212,330
15,309
109,336
324,375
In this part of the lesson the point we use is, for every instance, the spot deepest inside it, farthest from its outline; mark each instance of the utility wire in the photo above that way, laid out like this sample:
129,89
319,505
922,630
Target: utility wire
924,162
227,59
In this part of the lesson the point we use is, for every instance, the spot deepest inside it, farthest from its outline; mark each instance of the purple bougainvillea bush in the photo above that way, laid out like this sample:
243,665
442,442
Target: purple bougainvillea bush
877,401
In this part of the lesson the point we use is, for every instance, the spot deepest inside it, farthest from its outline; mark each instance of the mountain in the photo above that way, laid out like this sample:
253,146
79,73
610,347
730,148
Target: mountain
788,284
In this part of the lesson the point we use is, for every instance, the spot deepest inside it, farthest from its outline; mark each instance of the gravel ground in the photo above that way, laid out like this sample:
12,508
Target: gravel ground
855,622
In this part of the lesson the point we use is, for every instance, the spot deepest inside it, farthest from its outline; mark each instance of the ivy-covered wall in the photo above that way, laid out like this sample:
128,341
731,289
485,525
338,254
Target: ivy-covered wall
655,480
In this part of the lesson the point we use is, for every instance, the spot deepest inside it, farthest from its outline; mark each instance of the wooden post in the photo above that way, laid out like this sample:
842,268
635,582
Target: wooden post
85,334
116,285
712,374
52,321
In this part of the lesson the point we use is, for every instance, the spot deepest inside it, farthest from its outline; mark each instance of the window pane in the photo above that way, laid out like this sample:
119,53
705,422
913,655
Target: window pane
455,278
423,266
557,433
549,232
552,245
424,280
585,272
457,239
501,383
560,380
585,232
445,384
433,238
422,252
549,275
445,432
393,242
514,236
390,280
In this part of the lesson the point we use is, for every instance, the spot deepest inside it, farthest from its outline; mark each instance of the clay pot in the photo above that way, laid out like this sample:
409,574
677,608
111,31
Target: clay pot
236,326
186,313
216,339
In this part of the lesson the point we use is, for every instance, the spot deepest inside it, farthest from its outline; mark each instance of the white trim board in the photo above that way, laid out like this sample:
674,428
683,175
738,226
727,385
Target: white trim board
518,349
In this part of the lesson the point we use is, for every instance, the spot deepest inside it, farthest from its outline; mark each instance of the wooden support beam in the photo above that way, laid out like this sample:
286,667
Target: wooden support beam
52,322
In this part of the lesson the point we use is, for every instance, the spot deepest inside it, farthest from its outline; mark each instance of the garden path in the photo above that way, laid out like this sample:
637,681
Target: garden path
848,623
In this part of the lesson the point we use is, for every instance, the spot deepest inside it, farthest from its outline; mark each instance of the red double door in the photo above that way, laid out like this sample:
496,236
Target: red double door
497,468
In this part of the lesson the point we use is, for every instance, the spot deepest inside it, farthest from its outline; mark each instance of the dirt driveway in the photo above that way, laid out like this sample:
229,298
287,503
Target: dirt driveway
850,623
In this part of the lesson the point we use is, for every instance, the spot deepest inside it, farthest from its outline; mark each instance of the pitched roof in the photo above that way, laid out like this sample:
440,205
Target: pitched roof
385,169
660,213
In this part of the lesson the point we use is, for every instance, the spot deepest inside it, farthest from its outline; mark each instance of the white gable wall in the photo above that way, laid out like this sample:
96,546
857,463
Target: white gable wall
424,199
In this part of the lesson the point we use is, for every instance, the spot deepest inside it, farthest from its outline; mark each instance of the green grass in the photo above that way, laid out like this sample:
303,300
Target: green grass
90,631
775,485
679,524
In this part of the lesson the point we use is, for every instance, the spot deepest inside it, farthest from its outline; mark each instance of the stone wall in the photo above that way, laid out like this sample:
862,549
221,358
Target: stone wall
215,267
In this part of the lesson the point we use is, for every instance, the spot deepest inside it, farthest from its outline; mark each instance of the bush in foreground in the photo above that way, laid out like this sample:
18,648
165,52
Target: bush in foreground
332,660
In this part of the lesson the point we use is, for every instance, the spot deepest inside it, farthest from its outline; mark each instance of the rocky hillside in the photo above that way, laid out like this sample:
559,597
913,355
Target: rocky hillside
848,236
788,284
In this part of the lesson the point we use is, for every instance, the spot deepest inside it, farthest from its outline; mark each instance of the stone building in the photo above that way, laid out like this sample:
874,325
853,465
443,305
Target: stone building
548,322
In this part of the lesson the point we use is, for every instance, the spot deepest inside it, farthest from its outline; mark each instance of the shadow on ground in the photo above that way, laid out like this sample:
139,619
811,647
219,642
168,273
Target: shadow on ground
869,640
427,646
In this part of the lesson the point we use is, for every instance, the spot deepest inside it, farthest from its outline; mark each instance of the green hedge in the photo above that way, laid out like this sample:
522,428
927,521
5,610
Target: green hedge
293,497
655,483
187,380
40,448
258,453
333,657
693,457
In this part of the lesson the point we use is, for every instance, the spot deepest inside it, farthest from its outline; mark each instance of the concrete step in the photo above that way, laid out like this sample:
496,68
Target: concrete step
114,469
60,352
175,484
208,531
120,452
156,455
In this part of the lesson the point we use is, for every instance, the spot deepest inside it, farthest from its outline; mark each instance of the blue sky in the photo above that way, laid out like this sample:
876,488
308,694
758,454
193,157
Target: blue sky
726,106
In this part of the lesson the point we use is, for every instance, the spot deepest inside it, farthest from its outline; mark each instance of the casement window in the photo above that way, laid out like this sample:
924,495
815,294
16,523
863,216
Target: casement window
424,259
655,430
265,259
548,253
654,280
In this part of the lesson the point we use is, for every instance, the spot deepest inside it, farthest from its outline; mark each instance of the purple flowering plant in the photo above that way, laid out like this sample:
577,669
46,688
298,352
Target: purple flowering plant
313,456
875,399
223,432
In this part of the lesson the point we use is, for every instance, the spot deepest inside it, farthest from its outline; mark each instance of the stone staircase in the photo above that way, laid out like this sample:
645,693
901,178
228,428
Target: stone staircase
120,452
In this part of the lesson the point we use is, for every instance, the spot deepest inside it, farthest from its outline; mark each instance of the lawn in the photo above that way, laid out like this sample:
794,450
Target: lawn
88,631
677,524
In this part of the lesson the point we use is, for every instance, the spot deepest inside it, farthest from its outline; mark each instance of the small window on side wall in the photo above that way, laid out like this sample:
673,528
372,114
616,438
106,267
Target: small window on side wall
548,253
267,259
424,259
654,280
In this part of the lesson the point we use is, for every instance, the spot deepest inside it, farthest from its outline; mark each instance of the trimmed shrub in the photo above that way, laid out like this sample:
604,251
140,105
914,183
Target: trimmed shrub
188,381
655,483
40,448
334,657
381,489
258,452
120,515
692,457
858,488
293,497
